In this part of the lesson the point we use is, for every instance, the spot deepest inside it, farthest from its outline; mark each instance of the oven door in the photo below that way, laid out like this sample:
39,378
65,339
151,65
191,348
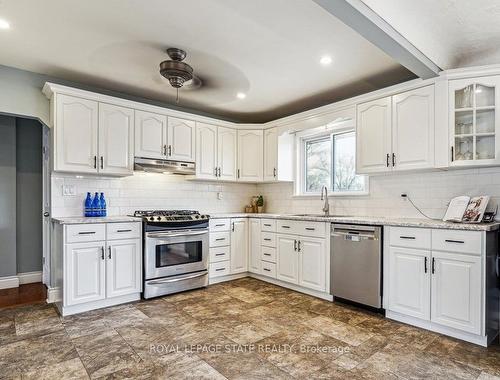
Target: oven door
170,253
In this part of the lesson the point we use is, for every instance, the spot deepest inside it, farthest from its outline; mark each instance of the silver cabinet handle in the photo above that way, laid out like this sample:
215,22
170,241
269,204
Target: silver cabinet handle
267,254
95,162
170,150
285,226
267,270
295,245
310,229
267,225
102,253
86,233
102,162
220,254
218,175
170,280
220,225
267,239
407,237
215,171
164,150
455,241
298,246
238,173
220,239
123,230
219,269
109,252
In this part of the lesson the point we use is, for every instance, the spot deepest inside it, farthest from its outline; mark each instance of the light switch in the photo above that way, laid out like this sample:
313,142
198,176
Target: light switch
68,190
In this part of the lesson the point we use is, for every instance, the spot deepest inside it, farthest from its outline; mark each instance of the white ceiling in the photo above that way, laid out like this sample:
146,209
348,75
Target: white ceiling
452,33
268,49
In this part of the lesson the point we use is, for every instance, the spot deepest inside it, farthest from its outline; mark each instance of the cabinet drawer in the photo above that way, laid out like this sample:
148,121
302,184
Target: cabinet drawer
220,239
457,241
268,225
410,237
217,225
303,228
219,254
268,269
81,233
116,231
268,239
219,269
269,254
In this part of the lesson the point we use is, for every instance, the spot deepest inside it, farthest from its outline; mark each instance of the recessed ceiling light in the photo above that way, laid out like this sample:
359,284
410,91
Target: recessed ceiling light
241,95
325,60
4,24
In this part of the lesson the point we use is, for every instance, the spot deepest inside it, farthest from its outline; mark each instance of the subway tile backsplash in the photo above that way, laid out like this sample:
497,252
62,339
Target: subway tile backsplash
430,191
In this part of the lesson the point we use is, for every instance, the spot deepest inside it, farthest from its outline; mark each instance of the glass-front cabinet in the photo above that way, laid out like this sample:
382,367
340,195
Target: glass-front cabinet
474,124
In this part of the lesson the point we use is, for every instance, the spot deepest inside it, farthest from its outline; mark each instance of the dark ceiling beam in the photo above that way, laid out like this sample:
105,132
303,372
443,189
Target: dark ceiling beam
358,16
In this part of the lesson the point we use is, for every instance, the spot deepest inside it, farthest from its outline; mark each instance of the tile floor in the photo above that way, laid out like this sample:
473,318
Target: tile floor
244,329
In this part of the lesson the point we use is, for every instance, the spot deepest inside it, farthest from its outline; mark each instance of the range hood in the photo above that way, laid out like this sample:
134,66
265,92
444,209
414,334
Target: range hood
163,166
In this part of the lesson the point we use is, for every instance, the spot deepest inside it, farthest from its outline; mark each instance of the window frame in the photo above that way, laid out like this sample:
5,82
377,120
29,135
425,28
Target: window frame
300,187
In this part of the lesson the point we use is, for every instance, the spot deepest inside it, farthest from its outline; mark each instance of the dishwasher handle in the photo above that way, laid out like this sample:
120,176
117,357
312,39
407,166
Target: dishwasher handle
354,236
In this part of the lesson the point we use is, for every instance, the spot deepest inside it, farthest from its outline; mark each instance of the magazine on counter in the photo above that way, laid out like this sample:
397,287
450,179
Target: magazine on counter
466,209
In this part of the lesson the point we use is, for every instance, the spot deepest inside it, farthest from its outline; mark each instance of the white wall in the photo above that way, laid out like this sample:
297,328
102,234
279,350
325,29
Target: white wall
149,191
430,191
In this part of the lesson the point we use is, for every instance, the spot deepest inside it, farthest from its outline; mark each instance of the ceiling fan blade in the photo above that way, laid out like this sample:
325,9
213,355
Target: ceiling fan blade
193,84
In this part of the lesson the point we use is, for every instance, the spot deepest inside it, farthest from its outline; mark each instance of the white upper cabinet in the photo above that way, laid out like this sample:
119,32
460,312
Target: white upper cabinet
413,129
373,137
456,291
206,151
150,135
271,154
76,134
116,136
250,155
474,122
227,146
181,139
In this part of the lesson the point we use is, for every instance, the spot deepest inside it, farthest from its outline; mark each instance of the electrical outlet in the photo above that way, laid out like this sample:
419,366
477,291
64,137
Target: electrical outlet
404,196
219,196
68,190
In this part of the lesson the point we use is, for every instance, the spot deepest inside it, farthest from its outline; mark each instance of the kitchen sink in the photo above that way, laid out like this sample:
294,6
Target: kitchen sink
322,215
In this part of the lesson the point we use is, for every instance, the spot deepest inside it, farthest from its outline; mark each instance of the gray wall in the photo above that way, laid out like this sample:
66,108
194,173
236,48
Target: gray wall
7,196
29,245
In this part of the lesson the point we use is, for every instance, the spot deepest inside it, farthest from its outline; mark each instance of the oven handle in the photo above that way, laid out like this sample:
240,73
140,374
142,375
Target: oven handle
169,234
169,280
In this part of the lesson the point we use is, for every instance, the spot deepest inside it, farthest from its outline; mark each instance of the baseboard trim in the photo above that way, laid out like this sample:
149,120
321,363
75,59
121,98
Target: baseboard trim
29,277
54,295
9,282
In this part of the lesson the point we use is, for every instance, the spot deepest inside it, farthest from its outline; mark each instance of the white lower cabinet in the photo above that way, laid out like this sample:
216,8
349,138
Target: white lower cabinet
239,245
254,246
98,273
123,267
409,285
443,291
456,291
312,273
287,263
85,271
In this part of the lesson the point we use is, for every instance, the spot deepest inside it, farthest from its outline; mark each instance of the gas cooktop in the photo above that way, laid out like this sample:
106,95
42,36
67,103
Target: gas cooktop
170,215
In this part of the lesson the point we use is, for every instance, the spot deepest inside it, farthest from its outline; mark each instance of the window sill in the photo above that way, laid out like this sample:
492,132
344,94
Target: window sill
332,195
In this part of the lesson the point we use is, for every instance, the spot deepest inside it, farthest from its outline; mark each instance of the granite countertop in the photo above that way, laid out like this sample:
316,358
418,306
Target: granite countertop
373,220
104,219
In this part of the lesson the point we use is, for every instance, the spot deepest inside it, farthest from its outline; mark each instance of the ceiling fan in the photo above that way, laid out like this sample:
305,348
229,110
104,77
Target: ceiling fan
177,72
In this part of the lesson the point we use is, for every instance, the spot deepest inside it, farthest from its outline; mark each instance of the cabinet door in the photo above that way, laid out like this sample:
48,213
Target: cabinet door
474,122
123,270
250,155
150,135
373,137
287,261
254,262
85,273
226,153
456,291
413,129
181,139
270,154
409,282
75,129
206,151
116,136
312,268
239,245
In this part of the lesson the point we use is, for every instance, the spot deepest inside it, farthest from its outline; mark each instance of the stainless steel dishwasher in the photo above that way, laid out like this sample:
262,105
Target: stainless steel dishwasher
355,263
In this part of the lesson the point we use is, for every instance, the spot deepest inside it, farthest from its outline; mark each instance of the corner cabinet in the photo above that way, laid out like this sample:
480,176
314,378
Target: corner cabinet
474,122
250,155
396,133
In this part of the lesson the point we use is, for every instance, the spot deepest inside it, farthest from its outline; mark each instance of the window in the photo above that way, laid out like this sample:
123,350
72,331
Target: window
331,161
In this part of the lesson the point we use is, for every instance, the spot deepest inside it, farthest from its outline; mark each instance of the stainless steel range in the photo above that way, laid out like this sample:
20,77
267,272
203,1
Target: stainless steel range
175,251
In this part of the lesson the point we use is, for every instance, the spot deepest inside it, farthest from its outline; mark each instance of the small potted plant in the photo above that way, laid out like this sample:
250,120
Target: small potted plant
260,204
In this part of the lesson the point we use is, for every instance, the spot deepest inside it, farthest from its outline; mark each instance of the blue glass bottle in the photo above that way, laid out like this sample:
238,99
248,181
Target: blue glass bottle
88,205
102,202
96,207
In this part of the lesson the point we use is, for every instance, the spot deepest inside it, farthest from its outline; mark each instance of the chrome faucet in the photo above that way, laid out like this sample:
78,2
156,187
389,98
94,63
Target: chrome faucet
326,206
